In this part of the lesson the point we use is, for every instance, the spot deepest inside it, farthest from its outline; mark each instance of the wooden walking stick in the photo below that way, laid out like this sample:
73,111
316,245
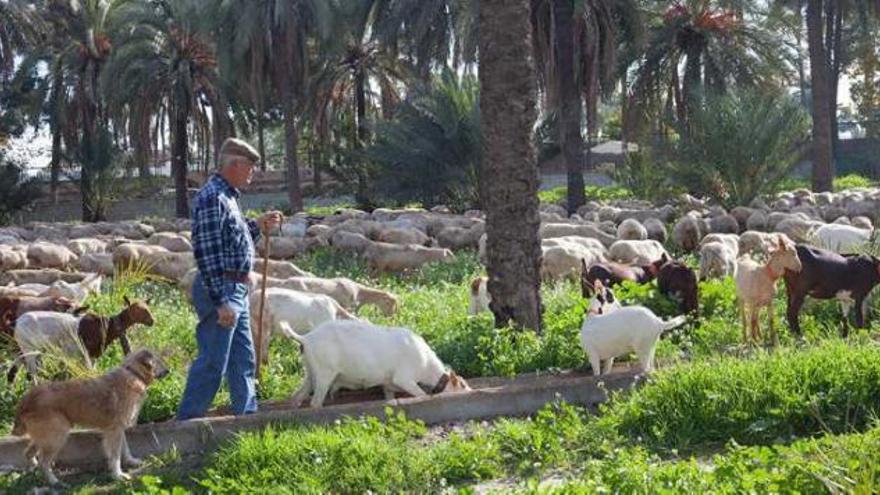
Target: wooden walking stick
259,342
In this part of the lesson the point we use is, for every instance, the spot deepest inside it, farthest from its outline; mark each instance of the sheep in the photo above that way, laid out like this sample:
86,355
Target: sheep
358,354
459,238
628,329
382,256
863,222
84,338
637,252
842,239
796,228
82,246
403,236
631,229
349,241
752,242
724,224
77,291
729,240
550,230
171,265
301,311
46,276
687,232
13,258
96,263
656,229
756,286
757,221
130,255
717,260
49,255
281,269
281,248
348,293
564,260
171,241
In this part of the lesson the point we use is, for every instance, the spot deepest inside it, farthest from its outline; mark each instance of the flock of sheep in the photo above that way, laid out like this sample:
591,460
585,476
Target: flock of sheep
52,267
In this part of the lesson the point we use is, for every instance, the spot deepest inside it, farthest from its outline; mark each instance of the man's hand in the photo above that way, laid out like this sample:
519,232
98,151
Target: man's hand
268,220
225,316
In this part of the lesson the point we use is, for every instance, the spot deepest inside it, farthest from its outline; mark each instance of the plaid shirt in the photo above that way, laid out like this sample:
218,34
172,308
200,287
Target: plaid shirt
223,239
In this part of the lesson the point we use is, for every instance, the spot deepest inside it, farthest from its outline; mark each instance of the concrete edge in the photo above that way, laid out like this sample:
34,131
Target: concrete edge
519,396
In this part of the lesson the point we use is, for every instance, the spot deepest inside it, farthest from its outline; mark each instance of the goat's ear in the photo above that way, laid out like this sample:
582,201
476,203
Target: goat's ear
584,264
781,243
126,301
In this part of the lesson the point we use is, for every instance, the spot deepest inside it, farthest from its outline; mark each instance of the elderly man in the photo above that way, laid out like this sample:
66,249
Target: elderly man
223,245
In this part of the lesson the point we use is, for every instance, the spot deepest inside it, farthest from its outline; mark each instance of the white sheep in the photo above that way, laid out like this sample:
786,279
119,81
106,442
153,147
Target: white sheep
171,241
383,257
564,260
729,240
358,354
632,230
301,311
550,230
96,263
350,294
687,232
637,252
717,260
87,245
50,255
13,257
403,236
843,239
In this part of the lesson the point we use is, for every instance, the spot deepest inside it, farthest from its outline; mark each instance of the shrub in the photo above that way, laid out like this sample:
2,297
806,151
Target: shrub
430,151
739,146
17,192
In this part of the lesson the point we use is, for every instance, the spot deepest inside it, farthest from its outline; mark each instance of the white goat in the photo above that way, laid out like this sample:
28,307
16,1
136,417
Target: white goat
358,354
299,310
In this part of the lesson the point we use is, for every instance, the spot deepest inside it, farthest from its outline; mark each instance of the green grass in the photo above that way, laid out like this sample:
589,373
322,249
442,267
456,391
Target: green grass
594,193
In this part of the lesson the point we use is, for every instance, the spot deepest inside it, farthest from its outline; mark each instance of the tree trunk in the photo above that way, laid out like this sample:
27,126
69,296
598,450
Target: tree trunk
179,160
822,166
569,121
836,54
508,109
291,138
261,141
55,164
362,195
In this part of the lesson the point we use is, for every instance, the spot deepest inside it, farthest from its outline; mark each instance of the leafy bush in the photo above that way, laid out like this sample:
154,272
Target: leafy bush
643,176
557,195
739,146
430,151
852,181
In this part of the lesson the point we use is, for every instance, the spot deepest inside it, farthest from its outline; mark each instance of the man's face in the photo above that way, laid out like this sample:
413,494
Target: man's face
241,172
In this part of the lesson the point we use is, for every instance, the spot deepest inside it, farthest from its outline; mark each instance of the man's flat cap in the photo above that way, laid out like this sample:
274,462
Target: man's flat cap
239,148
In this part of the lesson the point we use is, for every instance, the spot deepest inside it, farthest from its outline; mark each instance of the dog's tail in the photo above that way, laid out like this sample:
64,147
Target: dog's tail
674,322
288,332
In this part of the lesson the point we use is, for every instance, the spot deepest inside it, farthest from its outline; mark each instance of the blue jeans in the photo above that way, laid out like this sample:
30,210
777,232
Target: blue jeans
228,351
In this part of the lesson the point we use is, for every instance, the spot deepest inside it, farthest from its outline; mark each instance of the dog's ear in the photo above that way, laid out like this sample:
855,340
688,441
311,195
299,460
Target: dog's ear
126,301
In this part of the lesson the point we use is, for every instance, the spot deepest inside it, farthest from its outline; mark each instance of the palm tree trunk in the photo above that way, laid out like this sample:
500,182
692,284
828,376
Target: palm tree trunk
822,171
508,109
261,141
179,159
362,196
55,164
569,122
291,138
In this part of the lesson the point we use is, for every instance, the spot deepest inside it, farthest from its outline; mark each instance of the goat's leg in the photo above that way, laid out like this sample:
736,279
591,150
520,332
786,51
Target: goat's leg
745,326
753,318
126,345
795,301
609,364
774,338
861,309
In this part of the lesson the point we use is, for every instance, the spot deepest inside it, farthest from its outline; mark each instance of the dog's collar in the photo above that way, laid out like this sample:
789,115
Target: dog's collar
441,384
137,375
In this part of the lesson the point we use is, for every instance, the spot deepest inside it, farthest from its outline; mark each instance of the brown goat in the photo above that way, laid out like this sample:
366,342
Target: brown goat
677,279
97,333
611,273
11,307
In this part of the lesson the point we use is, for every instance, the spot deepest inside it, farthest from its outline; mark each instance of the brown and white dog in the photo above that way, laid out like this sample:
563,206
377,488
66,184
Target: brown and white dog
109,403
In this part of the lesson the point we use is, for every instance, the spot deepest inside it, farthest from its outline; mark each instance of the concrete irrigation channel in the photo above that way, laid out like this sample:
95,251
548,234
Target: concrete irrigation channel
491,397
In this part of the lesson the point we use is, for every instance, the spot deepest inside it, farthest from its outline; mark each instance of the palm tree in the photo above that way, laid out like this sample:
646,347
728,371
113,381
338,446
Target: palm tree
715,47
164,53
353,60
823,173
508,112
21,27
576,46
271,40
